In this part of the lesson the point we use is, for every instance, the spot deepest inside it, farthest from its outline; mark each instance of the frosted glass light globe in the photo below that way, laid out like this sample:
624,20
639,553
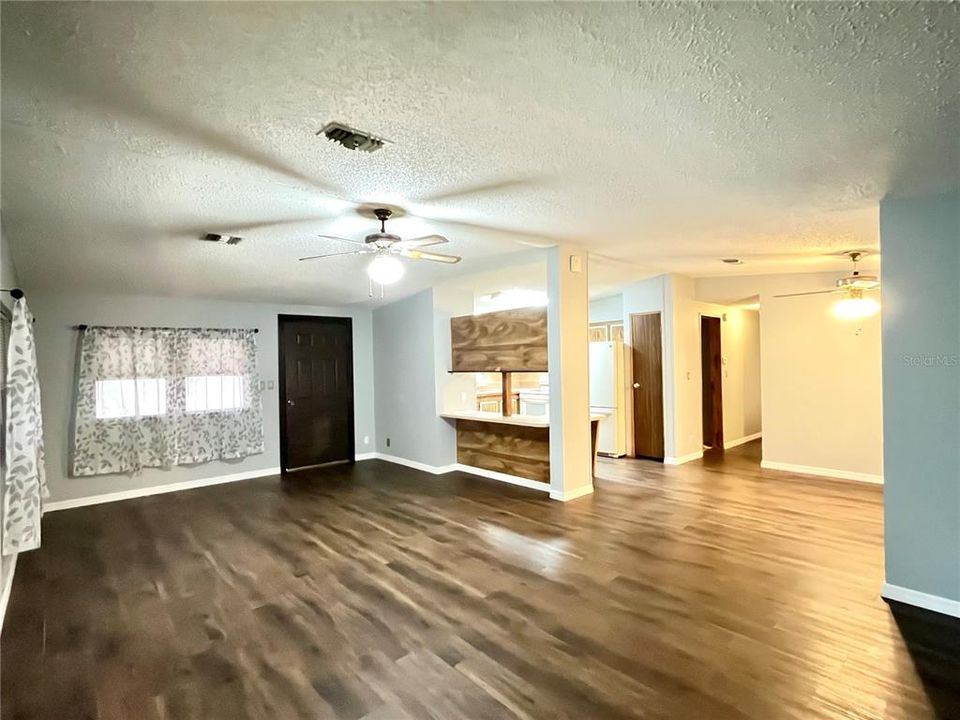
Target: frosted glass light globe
854,308
385,269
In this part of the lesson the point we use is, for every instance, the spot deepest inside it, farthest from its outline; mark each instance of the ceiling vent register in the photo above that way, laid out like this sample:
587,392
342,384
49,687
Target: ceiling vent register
351,138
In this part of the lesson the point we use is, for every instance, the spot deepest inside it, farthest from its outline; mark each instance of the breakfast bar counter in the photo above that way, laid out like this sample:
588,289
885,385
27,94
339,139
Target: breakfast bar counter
516,445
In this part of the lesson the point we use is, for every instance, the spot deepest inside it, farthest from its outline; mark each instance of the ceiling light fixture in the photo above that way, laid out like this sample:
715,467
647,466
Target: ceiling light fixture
385,269
855,306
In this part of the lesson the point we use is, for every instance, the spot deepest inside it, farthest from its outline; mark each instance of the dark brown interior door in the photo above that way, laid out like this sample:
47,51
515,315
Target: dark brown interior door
316,391
711,364
647,386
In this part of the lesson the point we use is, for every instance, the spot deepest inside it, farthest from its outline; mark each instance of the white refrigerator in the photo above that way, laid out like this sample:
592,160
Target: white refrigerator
606,397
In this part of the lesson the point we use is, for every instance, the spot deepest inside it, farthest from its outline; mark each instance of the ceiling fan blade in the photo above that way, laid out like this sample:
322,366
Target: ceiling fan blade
421,242
341,239
337,254
435,257
812,292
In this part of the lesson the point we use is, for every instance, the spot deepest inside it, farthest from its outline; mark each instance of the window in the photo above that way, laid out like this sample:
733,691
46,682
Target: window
212,393
147,397
127,398
158,397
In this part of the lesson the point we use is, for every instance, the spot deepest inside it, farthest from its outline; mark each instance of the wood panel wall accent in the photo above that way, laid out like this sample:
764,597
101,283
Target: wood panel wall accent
512,449
500,341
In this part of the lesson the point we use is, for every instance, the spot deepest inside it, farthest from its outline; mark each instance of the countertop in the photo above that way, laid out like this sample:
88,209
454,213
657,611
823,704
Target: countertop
522,420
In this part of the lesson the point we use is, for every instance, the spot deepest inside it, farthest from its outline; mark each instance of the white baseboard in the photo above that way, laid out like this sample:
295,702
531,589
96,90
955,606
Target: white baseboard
416,465
365,456
5,590
569,495
742,441
822,472
683,458
157,489
505,477
921,599
444,469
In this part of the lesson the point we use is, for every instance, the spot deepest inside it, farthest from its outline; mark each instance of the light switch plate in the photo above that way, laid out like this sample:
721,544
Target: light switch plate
576,264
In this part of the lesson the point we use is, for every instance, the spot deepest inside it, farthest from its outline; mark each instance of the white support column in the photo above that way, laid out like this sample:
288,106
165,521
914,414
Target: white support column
571,461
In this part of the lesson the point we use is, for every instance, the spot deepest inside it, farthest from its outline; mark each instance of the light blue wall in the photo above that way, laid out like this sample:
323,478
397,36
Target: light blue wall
405,385
607,309
58,313
920,242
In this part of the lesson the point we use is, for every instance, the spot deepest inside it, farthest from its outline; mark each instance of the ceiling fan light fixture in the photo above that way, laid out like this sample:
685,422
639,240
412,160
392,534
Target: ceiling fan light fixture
855,306
385,269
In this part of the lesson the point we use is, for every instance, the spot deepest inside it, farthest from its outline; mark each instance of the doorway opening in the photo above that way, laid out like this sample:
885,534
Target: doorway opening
316,391
711,365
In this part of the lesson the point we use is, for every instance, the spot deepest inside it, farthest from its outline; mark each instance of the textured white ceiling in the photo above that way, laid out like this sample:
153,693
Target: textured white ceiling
663,136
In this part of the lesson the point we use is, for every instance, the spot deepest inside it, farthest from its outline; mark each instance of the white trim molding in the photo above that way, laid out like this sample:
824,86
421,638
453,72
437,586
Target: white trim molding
459,467
569,495
921,599
365,456
822,472
5,590
683,458
742,441
504,477
157,489
415,464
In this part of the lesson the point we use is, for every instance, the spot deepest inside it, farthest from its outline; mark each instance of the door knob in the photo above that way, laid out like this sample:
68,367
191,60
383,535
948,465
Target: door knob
290,402
636,386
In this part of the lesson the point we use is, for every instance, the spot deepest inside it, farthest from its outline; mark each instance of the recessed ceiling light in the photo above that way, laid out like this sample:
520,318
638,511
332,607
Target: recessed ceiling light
732,261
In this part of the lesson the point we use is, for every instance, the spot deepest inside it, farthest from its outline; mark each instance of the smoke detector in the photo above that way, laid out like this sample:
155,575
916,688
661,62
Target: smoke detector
351,138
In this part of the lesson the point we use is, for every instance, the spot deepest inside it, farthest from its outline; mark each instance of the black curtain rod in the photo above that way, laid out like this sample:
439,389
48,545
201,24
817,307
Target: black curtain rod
84,327
15,293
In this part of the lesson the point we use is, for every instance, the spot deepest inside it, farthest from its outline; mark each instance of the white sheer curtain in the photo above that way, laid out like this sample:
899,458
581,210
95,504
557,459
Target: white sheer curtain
157,397
24,479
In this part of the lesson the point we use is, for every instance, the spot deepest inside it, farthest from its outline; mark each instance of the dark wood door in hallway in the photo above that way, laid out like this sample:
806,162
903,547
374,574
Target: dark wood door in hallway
711,590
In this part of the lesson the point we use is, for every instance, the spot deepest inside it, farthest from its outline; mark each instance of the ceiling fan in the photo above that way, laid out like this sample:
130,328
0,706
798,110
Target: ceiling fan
386,268
853,286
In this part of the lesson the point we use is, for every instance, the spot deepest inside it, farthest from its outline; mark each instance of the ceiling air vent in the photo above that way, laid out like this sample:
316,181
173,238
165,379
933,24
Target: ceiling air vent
218,238
351,138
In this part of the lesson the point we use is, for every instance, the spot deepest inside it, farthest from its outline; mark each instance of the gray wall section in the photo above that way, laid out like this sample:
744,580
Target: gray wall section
58,313
405,381
607,309
920,241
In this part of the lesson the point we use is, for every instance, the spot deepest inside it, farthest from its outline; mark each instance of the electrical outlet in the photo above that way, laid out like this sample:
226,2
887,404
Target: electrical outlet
366,439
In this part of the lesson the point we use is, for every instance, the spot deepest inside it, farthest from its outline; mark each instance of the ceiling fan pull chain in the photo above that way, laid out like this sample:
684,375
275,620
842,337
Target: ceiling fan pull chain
370,279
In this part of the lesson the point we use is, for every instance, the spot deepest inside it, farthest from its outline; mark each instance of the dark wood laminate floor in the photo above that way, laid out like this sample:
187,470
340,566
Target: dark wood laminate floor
712,590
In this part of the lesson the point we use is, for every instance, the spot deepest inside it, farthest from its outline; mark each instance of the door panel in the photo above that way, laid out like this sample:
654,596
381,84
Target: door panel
316,391
711,366
647,386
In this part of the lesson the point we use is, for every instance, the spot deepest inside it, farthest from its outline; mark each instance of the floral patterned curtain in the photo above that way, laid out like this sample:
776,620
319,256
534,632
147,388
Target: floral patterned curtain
24,480
158,397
